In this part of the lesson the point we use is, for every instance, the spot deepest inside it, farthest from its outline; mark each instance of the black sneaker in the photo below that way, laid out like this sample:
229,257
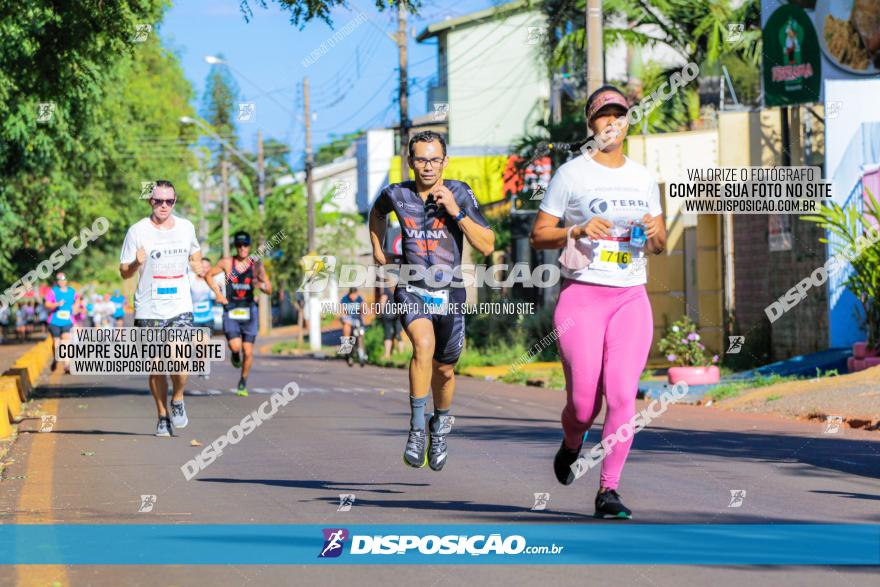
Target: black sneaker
164,426
416,452
562,462
235,359
608,506
438,427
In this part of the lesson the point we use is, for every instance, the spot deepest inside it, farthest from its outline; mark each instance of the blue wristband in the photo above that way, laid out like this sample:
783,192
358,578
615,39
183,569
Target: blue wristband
460,216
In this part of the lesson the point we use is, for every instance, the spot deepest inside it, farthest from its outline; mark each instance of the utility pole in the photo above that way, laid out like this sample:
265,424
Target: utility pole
261,177
312,301
265,305
224,181
309,192
403,90
593,46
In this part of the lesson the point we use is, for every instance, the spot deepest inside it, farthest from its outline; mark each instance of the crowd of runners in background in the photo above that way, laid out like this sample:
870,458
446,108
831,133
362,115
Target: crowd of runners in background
31,316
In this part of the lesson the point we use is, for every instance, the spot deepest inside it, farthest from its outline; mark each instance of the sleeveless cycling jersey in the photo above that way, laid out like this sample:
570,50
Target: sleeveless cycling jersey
240,286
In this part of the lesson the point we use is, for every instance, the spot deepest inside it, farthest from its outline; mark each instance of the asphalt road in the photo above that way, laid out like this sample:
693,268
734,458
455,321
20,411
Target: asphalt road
345,435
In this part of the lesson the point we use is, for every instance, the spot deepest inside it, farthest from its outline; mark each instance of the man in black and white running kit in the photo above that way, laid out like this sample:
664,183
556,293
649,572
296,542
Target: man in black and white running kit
435,216
240,315
162,249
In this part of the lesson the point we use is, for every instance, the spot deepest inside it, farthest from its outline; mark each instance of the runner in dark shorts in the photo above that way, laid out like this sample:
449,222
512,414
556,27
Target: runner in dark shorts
244,274
436,215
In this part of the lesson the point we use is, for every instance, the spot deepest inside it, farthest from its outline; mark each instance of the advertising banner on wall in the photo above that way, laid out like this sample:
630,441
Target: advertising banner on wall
808,41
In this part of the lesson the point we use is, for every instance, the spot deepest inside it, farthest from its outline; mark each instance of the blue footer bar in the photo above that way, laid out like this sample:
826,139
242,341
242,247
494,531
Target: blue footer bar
570,544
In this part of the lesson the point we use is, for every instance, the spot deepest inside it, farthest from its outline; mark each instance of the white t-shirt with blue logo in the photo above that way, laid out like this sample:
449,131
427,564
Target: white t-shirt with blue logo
582,189
163,280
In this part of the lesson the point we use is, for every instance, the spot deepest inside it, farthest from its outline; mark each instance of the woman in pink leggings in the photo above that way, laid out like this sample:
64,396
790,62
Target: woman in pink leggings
610,208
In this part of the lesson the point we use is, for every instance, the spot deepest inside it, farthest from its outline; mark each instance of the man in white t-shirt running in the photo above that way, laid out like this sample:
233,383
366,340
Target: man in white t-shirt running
162,249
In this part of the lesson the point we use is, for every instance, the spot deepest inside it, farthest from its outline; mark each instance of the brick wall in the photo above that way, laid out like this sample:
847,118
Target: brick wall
762,276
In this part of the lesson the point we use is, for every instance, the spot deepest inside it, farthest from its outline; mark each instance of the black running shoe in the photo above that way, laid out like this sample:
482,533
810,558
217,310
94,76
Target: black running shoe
562,462
416,452
438,428
609,506
235,359
163,428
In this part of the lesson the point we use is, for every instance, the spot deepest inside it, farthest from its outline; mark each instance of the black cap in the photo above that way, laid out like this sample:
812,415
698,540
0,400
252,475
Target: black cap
241,238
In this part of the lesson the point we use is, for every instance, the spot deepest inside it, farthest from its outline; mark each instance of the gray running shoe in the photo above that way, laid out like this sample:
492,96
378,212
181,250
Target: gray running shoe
416,452
178,414
439,427
164,427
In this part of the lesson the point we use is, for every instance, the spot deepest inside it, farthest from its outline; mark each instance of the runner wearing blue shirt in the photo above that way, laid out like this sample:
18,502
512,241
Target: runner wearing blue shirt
60,302
118,301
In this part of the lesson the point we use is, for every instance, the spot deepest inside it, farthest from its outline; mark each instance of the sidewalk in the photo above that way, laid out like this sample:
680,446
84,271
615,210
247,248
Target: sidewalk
854,397
11,351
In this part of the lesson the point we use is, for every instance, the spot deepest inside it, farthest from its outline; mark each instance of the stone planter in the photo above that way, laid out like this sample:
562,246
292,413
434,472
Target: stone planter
694,375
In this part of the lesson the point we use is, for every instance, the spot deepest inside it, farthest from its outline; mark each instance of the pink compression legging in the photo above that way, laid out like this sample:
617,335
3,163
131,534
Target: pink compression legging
605,341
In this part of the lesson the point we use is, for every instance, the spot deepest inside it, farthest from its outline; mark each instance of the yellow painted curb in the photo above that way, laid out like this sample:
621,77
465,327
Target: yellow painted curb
29,366
9,391
498,371
5,426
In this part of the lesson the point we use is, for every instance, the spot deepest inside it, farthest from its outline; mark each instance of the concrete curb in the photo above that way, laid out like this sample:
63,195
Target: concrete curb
18,381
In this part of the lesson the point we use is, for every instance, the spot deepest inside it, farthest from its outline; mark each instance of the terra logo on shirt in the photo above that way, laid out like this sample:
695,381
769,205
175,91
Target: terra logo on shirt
598,206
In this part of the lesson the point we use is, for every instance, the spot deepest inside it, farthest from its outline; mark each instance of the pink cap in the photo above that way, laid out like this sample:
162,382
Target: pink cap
606,98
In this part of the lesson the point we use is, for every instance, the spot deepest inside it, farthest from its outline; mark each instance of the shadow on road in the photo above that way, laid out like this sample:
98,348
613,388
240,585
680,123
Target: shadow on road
852,457
847,494
101,432
81,390
315,484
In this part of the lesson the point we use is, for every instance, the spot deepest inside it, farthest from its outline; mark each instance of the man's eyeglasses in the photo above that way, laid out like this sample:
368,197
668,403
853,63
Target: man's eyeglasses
421,161
159,202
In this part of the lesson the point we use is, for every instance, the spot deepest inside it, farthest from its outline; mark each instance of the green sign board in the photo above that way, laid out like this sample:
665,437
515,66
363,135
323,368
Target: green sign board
792,62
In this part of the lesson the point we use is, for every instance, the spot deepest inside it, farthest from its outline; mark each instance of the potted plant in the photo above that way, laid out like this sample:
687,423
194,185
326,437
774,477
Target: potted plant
855,237
688,356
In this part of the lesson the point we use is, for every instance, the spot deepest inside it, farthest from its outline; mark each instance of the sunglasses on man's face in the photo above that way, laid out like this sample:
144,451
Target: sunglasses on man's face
159,202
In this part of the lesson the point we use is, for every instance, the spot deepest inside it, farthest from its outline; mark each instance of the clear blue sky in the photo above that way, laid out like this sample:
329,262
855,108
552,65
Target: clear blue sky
269,51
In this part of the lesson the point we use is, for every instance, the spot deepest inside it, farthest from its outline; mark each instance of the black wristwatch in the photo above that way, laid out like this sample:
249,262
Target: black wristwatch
461,215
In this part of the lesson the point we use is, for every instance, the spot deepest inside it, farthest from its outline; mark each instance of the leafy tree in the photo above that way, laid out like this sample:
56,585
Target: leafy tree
336,147
286,211
116,103
220,109
304,11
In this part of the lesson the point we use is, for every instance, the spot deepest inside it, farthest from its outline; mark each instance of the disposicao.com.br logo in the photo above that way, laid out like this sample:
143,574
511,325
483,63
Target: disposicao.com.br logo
452,544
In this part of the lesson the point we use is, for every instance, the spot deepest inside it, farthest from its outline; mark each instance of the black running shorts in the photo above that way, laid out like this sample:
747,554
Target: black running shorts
448,329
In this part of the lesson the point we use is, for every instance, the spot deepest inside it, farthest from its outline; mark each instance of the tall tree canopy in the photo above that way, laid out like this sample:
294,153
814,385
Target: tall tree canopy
116,97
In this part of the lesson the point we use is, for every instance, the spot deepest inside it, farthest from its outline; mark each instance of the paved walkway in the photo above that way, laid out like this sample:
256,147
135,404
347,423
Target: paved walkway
11,351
